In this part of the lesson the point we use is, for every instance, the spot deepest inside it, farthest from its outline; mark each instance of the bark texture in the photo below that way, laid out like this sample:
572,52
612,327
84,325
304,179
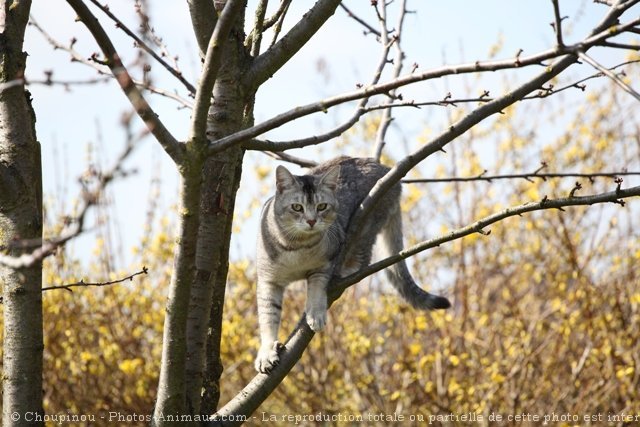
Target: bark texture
221,178
20,221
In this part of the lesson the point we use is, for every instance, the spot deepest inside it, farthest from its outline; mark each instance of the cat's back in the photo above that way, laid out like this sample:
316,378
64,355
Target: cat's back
358,175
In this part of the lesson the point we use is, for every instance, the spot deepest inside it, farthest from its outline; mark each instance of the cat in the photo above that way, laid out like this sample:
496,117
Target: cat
302,229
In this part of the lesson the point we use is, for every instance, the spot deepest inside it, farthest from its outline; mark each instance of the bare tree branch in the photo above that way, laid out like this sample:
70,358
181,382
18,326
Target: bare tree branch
261,386
100,69
212,63
277,55
203,20
621,46
149,33
369,28
277,23
277,16
254,39
140,43
471,119
617,80
280,146
538,59
360,110
172,147
386,119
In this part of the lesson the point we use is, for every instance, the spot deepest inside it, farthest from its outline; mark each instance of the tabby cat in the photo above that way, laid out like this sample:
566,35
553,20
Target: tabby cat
303,228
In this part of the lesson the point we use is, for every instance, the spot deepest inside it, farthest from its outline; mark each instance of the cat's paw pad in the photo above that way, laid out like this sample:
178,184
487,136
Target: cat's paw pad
268,358
317,320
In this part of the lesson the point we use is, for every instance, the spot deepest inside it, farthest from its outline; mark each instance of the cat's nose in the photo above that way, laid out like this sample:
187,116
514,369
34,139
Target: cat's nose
311,222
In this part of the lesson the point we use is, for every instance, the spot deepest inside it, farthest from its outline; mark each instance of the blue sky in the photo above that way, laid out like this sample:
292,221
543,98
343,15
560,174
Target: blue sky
439,32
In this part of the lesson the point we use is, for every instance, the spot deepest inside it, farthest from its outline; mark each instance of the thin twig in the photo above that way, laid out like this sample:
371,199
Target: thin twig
170,144
557,25
543,93
271,21
100,69
150,34
621,46
277,27
617,80
526,176
82,283
387,118
140,43
279,155
365,24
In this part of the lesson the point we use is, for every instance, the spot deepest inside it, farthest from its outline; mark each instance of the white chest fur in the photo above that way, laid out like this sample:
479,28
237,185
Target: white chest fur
292,265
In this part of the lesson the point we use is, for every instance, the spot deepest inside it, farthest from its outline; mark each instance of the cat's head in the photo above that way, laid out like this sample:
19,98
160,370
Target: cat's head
306,205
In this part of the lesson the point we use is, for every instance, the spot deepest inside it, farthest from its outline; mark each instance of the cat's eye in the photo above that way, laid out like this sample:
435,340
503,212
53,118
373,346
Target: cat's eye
297,207
321,207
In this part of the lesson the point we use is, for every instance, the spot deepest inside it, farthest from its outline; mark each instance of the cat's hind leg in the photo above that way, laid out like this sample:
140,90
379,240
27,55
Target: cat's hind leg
360,256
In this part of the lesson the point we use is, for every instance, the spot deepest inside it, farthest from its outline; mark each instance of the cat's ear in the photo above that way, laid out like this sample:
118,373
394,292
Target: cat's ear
284,179
330,178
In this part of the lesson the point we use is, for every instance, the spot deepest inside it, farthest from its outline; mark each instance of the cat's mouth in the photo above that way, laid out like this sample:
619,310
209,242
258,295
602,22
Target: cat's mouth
309,229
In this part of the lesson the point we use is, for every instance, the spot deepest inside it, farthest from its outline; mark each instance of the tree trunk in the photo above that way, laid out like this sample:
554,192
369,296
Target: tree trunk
221,178
20,222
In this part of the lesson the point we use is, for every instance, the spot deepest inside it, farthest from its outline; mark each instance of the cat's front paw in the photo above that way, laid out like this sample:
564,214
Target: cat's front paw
317,319
268,357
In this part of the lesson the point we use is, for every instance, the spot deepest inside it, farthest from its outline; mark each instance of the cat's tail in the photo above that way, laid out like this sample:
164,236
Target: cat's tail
399,274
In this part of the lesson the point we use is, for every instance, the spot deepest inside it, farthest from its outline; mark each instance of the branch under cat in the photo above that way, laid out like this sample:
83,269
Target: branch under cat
479,226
